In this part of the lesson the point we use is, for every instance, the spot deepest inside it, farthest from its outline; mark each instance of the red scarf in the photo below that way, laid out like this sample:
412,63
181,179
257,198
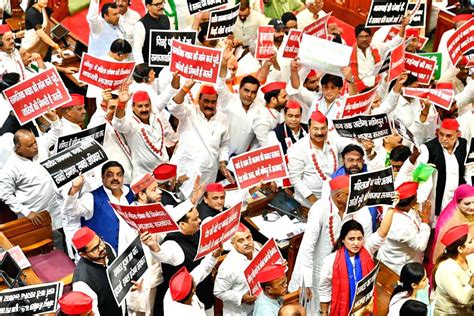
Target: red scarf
355,67
340,305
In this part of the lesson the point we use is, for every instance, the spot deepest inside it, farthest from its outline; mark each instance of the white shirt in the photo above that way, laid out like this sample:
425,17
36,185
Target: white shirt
306,17
69,127
246,31
264,124
12,63
128,21
447,65
396,303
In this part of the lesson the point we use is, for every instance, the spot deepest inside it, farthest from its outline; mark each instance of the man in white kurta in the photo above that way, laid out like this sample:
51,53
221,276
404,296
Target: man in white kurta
128,18
312,13
73,114
10,58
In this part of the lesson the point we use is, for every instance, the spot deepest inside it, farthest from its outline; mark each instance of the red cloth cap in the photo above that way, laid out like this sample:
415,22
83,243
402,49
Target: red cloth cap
205,89
270,273
76,99
164,172
181,284
318,117
339,183
292,104
4,28
74,303
444,85
83,237
407,189
332,19
141,184
278,85
454,233
450,124
412,32
140,96
462,17
311,74
214,187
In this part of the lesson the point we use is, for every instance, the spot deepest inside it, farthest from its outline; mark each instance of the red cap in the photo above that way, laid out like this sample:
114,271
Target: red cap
318,117
450,124
142,183
76,99
339,182
278,85
206,89
444,85
270,273
164,172
454,233
291,104
74,303
332,19
312,73
83,237
407,189
140,96
462,17
214,187
181,284
4,28
412,32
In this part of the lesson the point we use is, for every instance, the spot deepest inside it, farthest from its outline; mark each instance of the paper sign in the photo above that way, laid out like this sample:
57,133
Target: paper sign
421,67
363,126
370,189
30,300
461,42
262,164
365,290
221,22
34,97
358,104
329,56
318,28
292,44
383,12
397,62
265,47
104,74
218,229
438,59
417,8
422,40
66,141
268,255
160,45
404,132
153,218
442,98
196,6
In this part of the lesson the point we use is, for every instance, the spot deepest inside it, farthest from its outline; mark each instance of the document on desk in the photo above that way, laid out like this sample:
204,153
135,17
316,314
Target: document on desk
281,229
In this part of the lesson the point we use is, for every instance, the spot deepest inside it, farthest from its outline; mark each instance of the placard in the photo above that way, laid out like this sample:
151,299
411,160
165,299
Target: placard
153,218
383,13
265,46
359,104
404,132
78,159
422,40
461,42
129,265
421,67
66,141
363,126
438,59
292,44
196,6
370,189
470,154
217,230
319,27
268,255
36,96
418,18
262,164
397,62
32,299
197,62
104,74
329,56
442,98
160,45
221,22
365,290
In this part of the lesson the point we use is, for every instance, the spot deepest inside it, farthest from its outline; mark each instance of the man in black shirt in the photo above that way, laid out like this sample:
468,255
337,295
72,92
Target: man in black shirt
213,202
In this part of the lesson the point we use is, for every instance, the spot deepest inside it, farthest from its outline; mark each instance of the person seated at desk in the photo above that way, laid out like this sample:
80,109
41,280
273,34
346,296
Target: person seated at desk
34,64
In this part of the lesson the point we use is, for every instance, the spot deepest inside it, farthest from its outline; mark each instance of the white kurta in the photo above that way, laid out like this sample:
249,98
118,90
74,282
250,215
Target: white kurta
306,17
12,63
128,21
264,124
246,31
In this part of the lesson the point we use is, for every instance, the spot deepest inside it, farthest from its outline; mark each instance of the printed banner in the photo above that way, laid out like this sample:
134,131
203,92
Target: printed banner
365,290
461,42
418,18
221,22
292,44
34,97
421,67
386,13
32,299
438,59
129,265
268,255
383,65
196,6
370,189
358,104
262,164
80,158
397,62
328,58
217,230
103,73
197,62
318,28
404,132
66,141
160,45
265,47
363,126
470,155
442,98
153,218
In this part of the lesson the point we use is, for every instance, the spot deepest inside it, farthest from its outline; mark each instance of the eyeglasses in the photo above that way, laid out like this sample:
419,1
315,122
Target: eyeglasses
97,247
159,4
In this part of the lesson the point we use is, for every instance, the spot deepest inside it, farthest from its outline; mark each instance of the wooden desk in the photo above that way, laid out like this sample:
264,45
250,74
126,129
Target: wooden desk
16,24
445,23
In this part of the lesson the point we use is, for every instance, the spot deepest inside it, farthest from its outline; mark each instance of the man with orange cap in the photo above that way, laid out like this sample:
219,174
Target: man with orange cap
274,285
75,303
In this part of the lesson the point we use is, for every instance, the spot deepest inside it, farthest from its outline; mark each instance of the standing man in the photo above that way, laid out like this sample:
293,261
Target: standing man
73,115
312,13
246,26
213,201
274,285
128,18
165,174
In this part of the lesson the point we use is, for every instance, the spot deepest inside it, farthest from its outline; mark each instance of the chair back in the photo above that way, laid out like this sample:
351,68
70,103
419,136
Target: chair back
385,284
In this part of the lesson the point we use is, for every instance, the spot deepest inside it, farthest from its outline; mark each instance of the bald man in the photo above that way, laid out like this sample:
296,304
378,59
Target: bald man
292,310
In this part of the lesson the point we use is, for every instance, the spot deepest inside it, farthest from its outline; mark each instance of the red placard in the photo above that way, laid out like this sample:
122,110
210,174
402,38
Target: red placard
318,28
265,47
147,217
103,73
394,32
263,164
417,93
442,98
292,45
217,230
358,104
461,41
35,96
421,67
268,255
397,62
197,62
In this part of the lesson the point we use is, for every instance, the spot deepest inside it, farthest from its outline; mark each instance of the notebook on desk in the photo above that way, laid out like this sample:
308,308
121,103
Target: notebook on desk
286,204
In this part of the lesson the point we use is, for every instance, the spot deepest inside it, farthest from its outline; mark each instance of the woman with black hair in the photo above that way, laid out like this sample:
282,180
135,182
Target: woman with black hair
412,279
453,274
413,308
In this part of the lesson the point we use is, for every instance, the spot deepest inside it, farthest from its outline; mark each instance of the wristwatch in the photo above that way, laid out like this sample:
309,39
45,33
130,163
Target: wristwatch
352,80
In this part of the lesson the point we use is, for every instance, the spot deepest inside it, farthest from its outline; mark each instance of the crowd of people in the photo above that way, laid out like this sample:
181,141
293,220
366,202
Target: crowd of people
169,140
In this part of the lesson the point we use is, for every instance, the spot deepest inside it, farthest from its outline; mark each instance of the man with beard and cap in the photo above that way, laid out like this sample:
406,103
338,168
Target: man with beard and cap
246,26
312,13
279,34
128,18
274,285
276,98
165,174
213,201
